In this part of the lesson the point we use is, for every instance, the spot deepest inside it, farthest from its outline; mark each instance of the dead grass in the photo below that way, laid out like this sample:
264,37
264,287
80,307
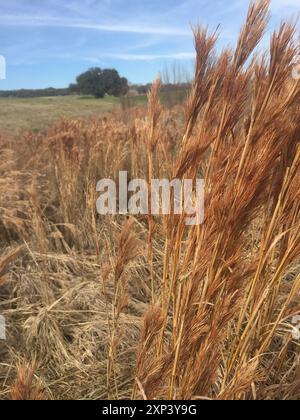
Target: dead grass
105,307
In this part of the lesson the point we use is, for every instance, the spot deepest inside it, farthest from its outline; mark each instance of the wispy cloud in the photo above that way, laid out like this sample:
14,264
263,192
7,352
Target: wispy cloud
48,21
150,57
98,58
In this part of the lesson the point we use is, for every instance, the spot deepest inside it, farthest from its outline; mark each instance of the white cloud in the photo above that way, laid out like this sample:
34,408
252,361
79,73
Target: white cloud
48,21
150,57
98,58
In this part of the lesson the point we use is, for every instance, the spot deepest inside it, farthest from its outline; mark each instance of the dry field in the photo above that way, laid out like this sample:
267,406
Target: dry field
146,307
37,114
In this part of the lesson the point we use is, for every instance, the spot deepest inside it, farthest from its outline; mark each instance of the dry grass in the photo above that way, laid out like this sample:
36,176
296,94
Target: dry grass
37,114
146,307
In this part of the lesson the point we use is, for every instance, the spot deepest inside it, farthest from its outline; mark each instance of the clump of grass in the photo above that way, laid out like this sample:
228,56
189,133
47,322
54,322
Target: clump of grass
25,387
222,299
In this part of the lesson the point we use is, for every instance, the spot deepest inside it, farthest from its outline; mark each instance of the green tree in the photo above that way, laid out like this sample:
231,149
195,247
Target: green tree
98,82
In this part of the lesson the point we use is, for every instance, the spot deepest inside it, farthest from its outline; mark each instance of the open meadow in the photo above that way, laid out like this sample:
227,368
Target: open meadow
144,306
37,114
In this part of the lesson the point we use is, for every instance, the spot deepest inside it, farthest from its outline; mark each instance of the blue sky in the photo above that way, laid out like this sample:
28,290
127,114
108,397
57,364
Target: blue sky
49,42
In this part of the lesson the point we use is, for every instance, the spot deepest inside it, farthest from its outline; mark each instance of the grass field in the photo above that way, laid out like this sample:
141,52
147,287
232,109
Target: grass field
37,114
19,114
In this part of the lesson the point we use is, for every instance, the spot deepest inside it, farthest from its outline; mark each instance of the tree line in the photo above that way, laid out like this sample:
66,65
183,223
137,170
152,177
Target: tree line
33,93
96,82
